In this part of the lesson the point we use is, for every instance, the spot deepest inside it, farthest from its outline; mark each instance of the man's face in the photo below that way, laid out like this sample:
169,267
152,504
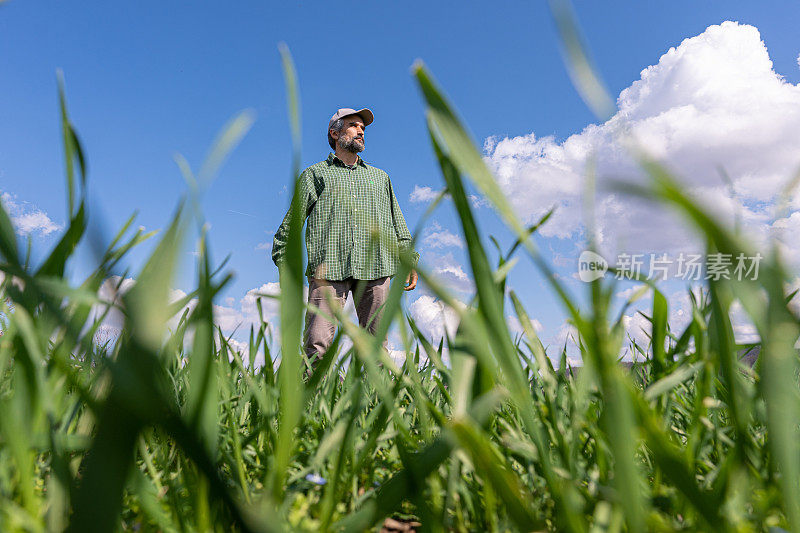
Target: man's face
351,138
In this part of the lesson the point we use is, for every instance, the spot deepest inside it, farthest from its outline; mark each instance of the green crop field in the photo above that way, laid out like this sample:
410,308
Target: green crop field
170,429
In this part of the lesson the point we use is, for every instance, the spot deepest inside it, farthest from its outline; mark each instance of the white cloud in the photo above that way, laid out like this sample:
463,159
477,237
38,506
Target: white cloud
38,221
434,318
744,331
515,326
399,355
625,294
567,335
785,230
235,315
638,330
437,236
110,293
680,315
448,272
27,219
269,305
266,245
423,194
712,102
477,201
243,349
229,316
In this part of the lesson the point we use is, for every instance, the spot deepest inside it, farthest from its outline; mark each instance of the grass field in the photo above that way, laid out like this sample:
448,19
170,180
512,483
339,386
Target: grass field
172,430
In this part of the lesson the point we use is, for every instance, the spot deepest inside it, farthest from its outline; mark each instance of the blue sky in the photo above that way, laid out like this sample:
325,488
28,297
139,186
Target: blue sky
146,80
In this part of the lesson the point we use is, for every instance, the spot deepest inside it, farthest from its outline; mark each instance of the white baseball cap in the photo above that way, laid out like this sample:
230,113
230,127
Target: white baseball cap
365,114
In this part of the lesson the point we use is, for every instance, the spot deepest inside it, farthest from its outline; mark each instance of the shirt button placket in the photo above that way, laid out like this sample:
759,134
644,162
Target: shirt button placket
353,180
355,222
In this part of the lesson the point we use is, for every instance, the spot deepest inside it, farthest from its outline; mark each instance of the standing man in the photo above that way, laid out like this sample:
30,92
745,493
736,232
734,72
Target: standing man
354,234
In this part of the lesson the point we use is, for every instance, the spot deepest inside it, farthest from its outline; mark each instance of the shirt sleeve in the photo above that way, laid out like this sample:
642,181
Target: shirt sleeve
307,191
400,227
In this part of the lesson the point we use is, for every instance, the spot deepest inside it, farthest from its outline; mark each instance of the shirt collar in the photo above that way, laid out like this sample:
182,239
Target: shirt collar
333,158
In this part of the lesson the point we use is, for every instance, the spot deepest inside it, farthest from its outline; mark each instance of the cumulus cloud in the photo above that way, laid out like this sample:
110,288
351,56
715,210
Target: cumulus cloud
110,295
243,349
786,230
477,201
28,219
398,355
267,294
112,319
713,102
434,318
449,272
228,318
565,337
422,195
231,316
437,236
425,195
625,294
744,331
515,326
638,329
680,315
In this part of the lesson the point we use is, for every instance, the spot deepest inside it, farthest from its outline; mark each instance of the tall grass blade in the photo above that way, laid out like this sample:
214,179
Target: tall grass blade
291,306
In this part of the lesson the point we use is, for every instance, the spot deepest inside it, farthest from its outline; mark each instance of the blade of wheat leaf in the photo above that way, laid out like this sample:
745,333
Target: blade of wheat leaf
468,161
442,121
8,239
54,264
135,395
72,148
202,402
777,328
583,74
291,302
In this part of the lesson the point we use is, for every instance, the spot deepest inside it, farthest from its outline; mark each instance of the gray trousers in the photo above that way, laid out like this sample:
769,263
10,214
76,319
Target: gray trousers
368,303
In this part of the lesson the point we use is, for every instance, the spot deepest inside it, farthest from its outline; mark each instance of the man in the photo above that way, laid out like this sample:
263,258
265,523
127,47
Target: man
354,234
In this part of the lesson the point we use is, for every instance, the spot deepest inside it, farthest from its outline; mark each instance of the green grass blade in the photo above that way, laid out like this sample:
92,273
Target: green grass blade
291,305
72,148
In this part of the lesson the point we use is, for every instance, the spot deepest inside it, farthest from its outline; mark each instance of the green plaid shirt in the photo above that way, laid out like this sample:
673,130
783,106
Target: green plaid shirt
355,226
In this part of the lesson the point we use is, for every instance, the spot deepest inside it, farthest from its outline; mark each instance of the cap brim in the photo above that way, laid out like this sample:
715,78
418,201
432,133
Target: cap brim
366,115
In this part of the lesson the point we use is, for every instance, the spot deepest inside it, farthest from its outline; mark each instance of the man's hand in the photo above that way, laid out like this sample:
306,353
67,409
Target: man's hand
411,282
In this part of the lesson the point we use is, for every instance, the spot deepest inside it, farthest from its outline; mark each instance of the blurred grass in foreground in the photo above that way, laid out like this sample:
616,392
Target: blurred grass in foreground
153,432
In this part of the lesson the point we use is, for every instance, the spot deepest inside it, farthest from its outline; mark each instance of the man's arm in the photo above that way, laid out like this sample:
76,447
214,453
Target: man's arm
403,235
307,195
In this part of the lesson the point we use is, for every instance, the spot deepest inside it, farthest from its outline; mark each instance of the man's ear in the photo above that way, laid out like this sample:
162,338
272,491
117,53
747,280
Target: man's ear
333,133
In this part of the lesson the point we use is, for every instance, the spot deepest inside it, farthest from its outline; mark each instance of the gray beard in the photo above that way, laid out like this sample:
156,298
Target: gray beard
351,145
